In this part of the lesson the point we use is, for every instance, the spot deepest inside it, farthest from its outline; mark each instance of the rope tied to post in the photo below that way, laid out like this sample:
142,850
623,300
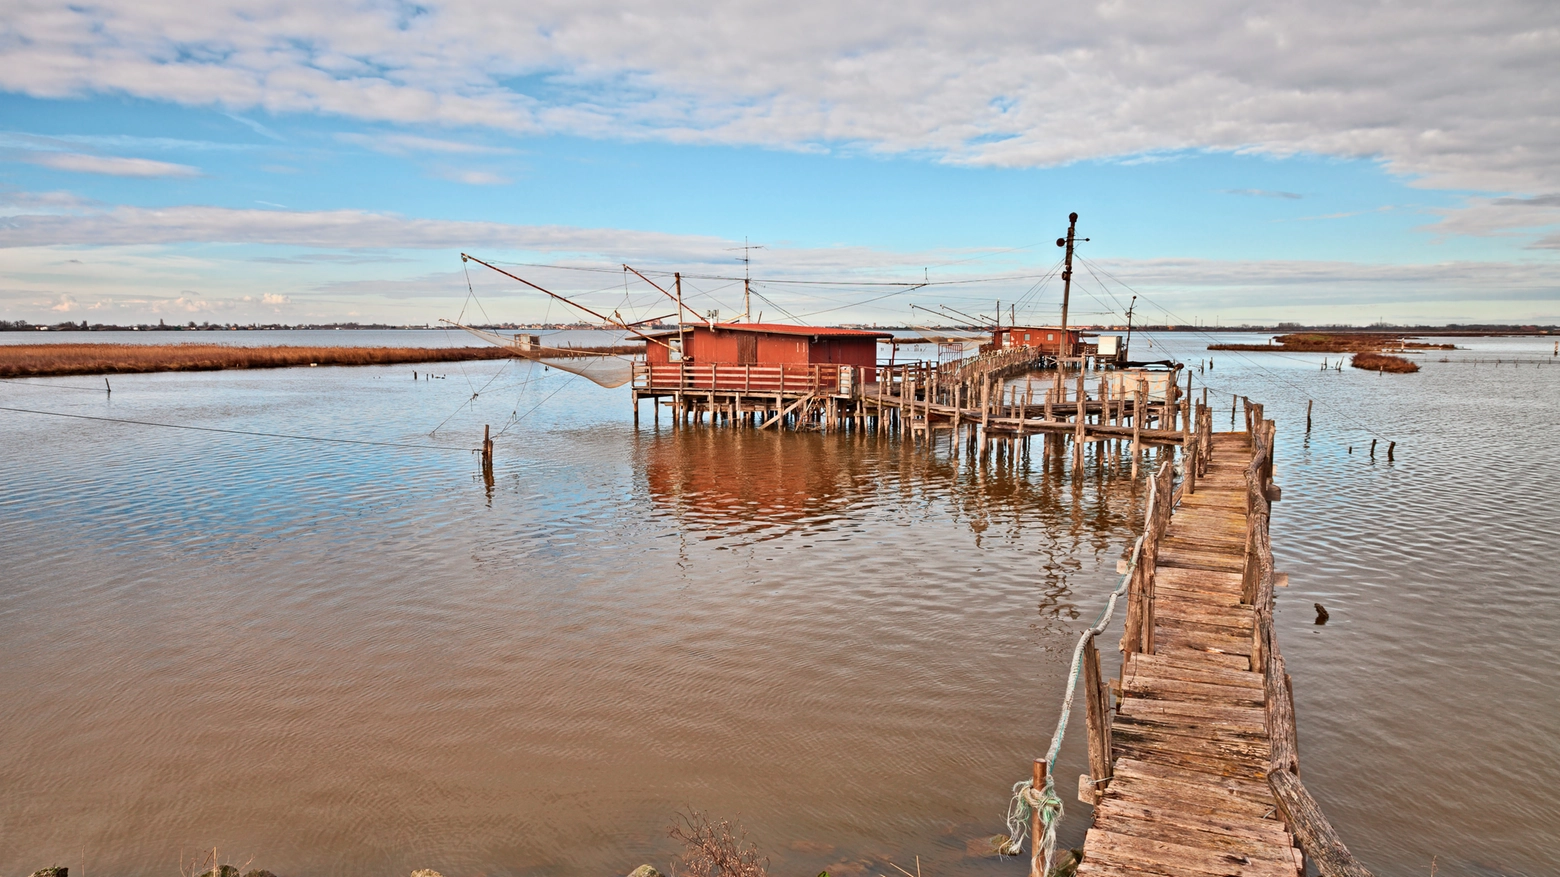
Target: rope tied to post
1027,800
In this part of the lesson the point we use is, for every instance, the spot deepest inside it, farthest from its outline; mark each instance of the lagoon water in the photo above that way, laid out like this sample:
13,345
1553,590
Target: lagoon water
356,659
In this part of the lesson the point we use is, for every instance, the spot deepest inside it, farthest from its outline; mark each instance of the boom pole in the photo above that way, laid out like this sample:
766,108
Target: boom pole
603,317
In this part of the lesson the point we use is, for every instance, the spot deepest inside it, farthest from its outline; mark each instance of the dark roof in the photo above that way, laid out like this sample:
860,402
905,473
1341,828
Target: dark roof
784,329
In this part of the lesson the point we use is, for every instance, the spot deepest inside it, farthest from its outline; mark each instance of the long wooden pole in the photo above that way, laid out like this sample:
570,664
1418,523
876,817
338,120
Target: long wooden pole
603,317
1072,230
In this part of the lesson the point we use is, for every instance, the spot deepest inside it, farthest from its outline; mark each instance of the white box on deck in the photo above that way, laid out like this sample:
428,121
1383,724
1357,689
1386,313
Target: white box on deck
1125,382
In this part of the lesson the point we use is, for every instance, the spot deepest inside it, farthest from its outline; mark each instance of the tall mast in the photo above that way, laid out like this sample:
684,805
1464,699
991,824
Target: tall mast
1072,230
1130,309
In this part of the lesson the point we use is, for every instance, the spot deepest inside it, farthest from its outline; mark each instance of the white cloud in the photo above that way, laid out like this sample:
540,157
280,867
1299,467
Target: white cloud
1265,193
1453,92
406,144
325,229
476,178
111,165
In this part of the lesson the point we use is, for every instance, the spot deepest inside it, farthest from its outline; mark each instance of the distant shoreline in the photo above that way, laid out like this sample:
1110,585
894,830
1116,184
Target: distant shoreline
62,359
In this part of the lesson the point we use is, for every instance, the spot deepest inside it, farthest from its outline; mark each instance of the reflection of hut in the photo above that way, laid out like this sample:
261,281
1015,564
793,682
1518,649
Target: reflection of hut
747,480
748,368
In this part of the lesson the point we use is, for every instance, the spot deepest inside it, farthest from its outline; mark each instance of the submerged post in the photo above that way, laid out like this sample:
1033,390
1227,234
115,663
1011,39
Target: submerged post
487,452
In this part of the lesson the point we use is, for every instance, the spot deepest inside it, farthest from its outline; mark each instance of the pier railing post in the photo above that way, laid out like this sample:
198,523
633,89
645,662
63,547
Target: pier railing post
1097,702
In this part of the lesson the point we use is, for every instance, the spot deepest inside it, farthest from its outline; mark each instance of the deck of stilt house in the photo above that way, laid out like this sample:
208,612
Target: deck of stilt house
972,401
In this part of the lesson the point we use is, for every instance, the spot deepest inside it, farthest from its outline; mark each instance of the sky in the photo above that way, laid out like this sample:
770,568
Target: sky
279,161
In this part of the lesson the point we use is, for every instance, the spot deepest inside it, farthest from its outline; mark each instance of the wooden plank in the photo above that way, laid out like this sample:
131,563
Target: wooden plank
1213,581
1214,561
1177,860
1162,688
1242,718
1191,670
1255,791
1247,828
1199,834
1223,659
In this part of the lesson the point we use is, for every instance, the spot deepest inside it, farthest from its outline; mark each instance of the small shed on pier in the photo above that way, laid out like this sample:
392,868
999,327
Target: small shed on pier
760,358
766,344
1047,338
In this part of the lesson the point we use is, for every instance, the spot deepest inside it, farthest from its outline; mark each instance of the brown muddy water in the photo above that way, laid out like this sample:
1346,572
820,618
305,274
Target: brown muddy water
357,660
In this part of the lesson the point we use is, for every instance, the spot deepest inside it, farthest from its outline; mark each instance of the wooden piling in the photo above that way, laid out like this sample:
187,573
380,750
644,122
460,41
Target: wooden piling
1036,825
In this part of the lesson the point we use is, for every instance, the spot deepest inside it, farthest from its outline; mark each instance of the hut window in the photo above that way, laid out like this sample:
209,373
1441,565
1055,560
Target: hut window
1050,336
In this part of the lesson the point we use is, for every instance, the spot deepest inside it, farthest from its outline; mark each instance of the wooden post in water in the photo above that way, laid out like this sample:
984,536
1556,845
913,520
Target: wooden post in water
1138,402
1036,826
487,453
1081,410
1308,403
1391,446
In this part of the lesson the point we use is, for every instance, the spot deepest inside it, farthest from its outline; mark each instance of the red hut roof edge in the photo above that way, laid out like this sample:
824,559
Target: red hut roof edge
783,329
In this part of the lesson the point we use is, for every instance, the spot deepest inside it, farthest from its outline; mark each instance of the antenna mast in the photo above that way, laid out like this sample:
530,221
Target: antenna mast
747,275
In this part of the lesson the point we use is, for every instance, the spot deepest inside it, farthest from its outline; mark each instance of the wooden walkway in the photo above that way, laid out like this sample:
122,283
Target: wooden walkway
1188,791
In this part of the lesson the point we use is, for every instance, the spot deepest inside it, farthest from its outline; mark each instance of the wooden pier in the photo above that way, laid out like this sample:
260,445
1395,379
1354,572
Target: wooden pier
976,401
1194,768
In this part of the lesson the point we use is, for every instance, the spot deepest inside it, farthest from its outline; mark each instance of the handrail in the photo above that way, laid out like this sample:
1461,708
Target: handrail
1317,838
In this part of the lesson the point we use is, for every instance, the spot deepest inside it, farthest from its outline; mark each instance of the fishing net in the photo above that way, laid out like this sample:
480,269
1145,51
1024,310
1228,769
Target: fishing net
604,369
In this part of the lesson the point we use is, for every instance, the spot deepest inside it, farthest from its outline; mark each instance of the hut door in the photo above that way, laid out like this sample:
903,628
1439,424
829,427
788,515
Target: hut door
747,349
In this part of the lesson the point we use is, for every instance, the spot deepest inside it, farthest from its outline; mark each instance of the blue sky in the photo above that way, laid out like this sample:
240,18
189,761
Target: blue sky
287,163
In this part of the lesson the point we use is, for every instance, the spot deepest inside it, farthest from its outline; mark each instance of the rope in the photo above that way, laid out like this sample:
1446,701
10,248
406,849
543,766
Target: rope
304,438
54,386
1026,799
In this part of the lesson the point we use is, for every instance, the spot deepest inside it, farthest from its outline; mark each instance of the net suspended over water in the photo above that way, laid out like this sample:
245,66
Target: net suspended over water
604,369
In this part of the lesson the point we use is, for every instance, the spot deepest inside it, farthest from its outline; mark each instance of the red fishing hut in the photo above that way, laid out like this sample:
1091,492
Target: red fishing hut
760,357
1105,350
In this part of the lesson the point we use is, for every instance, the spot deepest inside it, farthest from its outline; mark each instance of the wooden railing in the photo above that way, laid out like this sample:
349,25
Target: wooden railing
1318,840
800,378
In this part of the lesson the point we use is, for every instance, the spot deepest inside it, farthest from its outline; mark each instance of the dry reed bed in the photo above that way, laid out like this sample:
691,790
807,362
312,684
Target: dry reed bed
1343,342
1380,362
47,360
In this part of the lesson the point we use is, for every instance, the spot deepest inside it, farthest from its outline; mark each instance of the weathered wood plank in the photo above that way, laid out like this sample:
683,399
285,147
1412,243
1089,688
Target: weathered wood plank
1177,860
1269,832
1191,670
